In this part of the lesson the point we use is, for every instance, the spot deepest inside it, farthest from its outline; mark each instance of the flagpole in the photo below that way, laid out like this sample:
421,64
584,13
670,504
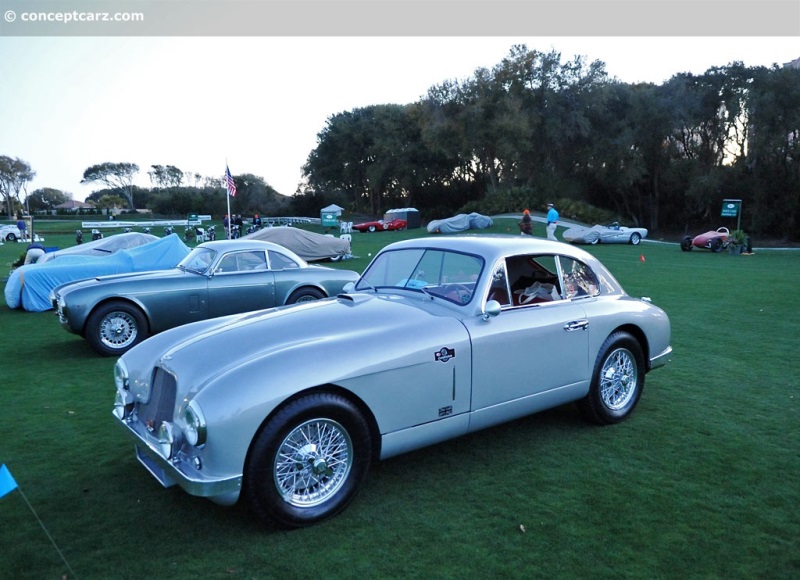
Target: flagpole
228,196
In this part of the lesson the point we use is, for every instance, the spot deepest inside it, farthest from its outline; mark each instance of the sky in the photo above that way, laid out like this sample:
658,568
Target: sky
258,103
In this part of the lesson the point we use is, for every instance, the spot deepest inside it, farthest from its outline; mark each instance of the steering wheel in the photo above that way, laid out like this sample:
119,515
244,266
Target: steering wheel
458,292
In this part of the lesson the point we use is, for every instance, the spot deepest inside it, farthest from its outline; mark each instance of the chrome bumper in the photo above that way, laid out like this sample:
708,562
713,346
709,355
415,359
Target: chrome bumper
181,472
660,359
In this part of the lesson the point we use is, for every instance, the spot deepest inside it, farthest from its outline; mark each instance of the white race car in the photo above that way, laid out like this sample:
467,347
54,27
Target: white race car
610,234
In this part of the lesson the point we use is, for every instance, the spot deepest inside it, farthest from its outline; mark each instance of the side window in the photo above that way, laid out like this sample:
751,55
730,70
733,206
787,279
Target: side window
579,279
252,261
278,261
533,279
242,262
227,264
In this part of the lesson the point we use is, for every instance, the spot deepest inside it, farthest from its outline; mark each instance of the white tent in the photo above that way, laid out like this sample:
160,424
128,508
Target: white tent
333,208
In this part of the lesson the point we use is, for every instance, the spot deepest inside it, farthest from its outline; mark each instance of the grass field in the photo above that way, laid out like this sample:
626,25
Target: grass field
703,481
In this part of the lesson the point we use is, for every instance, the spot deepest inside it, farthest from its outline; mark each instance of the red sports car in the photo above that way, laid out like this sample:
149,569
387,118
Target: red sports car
712,240
381,225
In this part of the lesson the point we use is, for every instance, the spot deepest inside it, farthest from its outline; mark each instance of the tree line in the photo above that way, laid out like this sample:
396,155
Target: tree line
530,130
535,129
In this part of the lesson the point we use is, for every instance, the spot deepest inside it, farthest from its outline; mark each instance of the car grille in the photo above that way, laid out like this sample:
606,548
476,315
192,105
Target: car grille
161,403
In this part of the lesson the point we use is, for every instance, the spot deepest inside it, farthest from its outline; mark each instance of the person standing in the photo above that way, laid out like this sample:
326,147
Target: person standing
552,220
526,224
23,228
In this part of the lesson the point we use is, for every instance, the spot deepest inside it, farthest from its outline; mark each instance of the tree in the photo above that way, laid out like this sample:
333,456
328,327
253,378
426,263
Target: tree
46,198
116,176
14,176
166,176
774,157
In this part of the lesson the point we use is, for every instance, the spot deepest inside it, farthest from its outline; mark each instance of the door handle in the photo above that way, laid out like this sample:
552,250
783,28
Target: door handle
576,325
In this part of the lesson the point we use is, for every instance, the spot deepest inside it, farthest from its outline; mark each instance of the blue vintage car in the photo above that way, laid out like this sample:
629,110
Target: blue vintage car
287,408
114,313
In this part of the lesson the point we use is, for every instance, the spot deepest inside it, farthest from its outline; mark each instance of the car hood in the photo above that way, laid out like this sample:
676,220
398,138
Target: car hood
124,279
304,345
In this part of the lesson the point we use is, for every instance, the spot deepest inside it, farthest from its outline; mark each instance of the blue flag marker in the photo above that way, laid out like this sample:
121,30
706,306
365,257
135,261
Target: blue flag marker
7,483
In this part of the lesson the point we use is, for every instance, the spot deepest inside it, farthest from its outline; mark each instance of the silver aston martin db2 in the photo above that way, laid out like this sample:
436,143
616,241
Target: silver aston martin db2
287,407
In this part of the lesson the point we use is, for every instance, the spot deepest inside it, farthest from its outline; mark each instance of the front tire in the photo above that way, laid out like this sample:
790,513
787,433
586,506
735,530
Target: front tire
308,461
686,244
617,381
116,327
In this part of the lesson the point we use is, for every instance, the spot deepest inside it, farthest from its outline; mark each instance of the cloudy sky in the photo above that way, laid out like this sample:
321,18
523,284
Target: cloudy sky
67,103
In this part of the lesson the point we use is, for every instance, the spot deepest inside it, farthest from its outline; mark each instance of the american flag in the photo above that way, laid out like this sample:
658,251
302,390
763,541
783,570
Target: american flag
229,182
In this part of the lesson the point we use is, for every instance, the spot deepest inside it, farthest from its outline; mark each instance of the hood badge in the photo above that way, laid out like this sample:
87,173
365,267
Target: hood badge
444,354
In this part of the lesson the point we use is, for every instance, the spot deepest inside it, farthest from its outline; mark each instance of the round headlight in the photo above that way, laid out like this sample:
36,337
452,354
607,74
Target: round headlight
194,425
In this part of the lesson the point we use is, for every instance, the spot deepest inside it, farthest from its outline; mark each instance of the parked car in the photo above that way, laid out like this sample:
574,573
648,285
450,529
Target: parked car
30,286
395,224
114,313
440,337
604,234
11,233
103,246
310,246
714,240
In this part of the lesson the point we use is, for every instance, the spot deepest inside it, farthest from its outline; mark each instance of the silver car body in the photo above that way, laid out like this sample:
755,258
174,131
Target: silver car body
604,234
425,360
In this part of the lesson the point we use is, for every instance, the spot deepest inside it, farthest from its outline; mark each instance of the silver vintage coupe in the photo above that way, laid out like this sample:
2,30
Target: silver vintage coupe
116,312
440,337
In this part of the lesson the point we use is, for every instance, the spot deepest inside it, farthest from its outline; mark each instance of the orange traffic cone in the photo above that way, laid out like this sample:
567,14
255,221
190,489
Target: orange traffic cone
641,258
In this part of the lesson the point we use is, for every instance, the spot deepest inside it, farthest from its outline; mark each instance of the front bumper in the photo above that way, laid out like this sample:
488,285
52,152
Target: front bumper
660,359
181,470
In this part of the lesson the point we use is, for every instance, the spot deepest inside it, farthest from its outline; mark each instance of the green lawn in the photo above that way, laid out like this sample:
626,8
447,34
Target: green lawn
703,481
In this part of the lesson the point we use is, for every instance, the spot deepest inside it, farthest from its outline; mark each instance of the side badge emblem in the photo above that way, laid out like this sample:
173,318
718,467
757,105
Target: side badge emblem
445,354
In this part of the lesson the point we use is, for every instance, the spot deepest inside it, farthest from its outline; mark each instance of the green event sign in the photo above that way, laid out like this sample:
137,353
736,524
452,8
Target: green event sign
731,207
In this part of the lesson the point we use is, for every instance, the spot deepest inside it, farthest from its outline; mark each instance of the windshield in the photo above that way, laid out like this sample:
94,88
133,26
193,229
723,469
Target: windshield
445,274
199,260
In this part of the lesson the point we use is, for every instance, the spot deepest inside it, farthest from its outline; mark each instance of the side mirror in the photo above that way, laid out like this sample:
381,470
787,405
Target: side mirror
491,309
349,287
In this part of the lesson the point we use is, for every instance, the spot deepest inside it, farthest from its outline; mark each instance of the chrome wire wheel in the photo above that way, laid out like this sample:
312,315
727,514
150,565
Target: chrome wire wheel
118,330
313,462
618,379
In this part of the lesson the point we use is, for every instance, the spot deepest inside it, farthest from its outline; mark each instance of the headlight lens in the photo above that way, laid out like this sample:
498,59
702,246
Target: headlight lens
194,425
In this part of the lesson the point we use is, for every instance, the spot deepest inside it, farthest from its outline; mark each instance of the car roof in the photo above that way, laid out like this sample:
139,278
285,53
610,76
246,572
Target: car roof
249,244
494,246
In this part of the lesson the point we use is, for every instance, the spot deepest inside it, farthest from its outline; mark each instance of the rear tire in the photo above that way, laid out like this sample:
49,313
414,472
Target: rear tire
309,461
635,238
716,245
116,327
617,381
